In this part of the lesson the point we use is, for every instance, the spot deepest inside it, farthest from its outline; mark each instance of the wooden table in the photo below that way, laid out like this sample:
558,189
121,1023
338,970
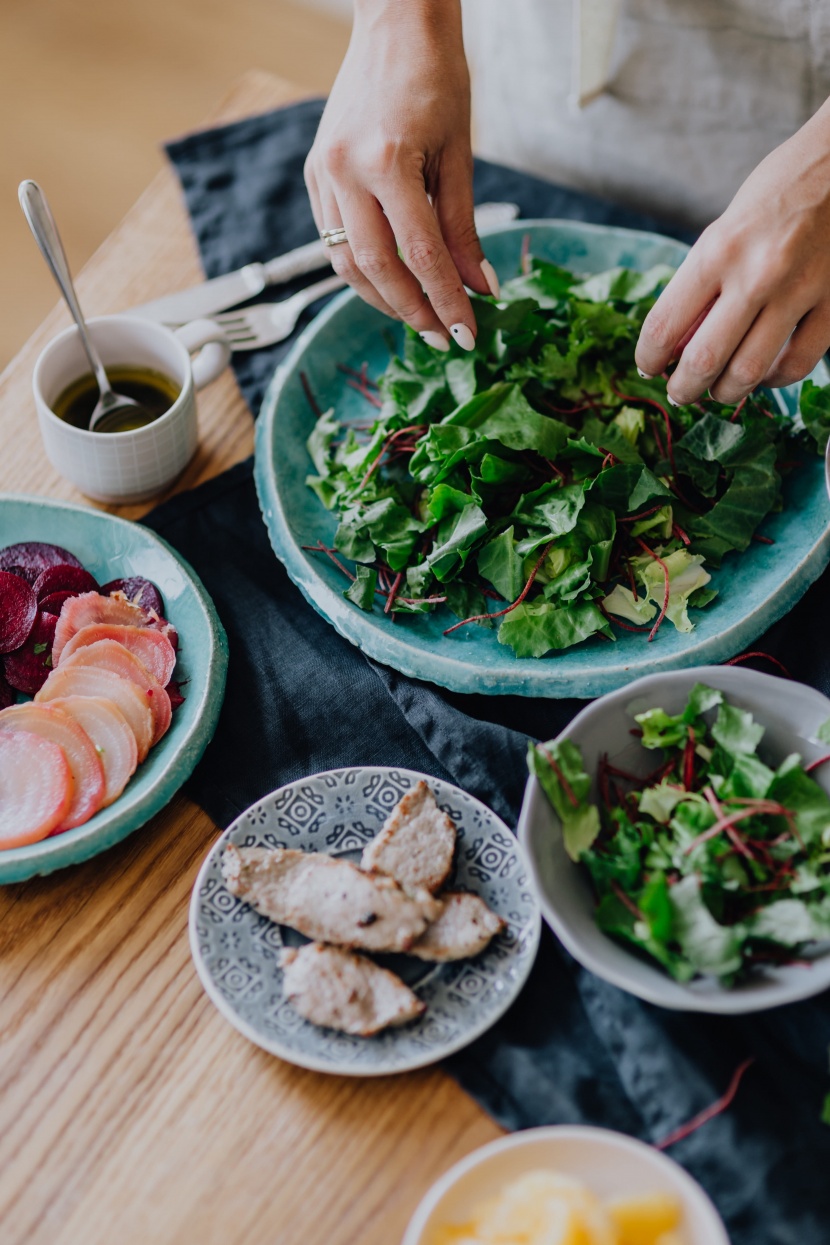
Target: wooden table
131,1113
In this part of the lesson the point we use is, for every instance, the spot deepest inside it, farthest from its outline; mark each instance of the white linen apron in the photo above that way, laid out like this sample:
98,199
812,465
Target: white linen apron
698,92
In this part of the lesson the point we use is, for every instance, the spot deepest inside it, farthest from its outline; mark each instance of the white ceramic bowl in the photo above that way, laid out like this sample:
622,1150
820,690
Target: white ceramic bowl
791,714
128,466
611,1164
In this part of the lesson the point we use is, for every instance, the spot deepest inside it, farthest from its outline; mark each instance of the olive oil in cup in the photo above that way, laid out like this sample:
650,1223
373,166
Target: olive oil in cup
152,390
142,459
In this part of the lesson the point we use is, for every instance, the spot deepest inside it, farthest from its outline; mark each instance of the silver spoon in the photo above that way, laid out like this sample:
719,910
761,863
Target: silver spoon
42,224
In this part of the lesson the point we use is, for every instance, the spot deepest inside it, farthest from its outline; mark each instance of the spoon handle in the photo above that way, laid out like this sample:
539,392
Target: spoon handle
42,224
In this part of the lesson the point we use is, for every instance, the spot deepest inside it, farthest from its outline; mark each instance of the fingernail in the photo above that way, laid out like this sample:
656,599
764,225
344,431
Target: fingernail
463,336
645,375
490,277
672,401
436,340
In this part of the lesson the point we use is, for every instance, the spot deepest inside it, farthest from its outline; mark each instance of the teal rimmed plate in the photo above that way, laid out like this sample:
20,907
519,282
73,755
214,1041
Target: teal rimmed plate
113,548
755,588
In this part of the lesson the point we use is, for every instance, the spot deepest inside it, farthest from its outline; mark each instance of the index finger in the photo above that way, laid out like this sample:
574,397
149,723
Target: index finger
672,319
425,254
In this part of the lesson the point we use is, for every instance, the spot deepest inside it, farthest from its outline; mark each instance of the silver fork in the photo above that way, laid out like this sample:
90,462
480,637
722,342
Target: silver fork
268,323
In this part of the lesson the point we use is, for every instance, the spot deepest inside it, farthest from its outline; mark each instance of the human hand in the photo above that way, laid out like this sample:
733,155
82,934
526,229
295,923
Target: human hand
396,128
750,304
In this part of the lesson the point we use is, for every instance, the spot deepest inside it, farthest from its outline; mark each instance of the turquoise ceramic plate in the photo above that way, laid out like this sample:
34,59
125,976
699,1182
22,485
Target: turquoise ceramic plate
112,548
755,588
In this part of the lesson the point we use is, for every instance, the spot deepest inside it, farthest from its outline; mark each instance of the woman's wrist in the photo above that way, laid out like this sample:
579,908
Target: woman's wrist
443,17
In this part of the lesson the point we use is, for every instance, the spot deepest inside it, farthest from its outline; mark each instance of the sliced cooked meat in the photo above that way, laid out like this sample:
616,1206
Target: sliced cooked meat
333,987
327,899
416,844
464,927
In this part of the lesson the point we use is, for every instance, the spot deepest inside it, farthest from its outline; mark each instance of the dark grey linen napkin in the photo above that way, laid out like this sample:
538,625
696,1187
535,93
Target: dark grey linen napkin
301,699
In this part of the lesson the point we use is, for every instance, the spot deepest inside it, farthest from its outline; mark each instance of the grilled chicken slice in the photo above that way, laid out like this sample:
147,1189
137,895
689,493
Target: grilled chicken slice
464,928
333,987
327,899
416,844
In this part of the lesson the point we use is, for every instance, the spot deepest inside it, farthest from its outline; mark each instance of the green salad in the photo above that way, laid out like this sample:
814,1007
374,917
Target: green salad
538,484
712,863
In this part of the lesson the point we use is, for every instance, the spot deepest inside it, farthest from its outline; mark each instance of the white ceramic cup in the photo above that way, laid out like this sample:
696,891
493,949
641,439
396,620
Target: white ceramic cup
128,466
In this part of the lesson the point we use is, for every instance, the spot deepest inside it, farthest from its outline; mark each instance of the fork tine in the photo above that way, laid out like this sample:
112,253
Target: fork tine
265,324
231,321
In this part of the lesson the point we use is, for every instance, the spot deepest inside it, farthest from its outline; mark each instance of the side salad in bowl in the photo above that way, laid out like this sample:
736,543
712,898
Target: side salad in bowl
679,832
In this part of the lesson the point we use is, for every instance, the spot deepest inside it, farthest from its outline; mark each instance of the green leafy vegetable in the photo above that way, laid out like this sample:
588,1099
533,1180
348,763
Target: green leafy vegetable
541,479
814,406
715,861
558,766
825,1110
534,629
362,590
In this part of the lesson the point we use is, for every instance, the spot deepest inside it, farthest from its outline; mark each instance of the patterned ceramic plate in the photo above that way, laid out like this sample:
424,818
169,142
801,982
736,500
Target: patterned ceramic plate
236,950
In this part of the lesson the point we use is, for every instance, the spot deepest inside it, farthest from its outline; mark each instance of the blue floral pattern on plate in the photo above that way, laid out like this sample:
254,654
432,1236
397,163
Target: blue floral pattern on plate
236,951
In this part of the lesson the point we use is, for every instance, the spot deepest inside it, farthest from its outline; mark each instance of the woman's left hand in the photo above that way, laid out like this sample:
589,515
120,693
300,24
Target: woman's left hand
750,304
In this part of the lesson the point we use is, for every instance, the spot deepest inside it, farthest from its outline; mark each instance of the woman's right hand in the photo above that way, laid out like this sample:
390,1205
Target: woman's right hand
396,129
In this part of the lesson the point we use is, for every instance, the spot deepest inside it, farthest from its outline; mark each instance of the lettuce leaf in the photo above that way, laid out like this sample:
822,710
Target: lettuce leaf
561,760
535,628
686,576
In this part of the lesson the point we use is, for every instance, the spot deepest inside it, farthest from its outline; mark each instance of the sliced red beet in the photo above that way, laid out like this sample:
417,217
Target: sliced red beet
28,668
63,578
33,556
139,591
6,693
18,611
53,604
174,691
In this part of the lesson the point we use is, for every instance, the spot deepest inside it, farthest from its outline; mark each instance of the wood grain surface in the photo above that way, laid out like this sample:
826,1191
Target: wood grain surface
131,1113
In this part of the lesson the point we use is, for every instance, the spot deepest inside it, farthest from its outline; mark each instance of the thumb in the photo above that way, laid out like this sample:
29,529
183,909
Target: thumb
453,203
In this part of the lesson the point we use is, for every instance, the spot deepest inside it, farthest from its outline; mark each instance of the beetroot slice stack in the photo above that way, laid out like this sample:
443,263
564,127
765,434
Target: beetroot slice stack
18,611
36,581
6,692
28,668
32,557
139,591
63,578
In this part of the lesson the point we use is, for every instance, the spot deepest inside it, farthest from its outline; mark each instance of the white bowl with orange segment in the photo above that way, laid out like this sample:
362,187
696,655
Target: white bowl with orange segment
604,1189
